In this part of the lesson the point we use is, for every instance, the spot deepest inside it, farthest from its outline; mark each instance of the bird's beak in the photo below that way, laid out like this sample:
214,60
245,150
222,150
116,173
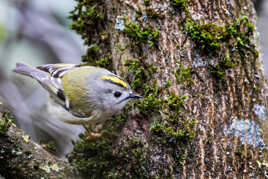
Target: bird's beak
130,96
133,95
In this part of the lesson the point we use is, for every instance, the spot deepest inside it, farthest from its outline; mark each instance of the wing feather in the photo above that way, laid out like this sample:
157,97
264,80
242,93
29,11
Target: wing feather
57,70
49,76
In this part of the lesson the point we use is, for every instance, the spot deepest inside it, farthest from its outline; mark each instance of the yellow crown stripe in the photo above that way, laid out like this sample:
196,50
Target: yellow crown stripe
114,80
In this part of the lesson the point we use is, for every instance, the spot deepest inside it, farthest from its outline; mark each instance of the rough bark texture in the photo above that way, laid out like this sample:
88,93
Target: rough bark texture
215,77
20,157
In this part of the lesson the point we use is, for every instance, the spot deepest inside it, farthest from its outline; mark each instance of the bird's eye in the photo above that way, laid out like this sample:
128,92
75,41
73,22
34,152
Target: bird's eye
117,94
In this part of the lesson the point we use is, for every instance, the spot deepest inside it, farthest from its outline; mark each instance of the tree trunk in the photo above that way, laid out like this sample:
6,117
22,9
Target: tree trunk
197,63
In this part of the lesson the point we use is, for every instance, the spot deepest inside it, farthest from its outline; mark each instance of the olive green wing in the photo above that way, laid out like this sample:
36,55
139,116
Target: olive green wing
56,72
76,91
70,90
50,77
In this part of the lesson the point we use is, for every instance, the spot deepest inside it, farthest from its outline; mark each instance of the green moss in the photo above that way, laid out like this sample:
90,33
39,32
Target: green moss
173,126
179,4
147,2
167,85
104,62
216,72
97,158
175,104
100,159
7,120
184,75
93,57
89,21
174,129
96,155
210,38
87,17
138,72
50,146
151,103
92,54
226,62
207,37
255,87
141,34
36,166
27,152
137,155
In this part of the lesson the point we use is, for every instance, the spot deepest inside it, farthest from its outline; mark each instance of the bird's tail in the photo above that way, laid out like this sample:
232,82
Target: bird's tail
42,77
29,71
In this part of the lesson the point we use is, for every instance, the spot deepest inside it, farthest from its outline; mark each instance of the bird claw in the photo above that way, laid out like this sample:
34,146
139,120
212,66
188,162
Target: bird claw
94,136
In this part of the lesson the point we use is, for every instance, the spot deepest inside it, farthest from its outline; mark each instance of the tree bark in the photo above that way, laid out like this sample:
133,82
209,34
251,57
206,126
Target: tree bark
20,157
207,51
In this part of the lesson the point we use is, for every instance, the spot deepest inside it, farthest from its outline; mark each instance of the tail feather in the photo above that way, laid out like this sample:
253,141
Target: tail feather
23,69
43,78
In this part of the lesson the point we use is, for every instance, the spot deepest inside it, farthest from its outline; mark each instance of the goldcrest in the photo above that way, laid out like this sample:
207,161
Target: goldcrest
89,93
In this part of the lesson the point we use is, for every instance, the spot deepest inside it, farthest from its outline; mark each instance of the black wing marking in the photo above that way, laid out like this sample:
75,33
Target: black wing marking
61,95
56,70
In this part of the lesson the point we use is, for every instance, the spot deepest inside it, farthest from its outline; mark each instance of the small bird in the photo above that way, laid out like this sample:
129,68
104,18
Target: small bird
89,93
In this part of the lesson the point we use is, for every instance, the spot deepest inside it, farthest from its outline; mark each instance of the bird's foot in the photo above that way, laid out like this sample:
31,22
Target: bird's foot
94,136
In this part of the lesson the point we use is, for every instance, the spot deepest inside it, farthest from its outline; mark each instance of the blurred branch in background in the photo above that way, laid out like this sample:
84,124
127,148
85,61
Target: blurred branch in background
36,32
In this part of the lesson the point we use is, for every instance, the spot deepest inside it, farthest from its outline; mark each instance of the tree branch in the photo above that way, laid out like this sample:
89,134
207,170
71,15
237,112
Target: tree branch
20,157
